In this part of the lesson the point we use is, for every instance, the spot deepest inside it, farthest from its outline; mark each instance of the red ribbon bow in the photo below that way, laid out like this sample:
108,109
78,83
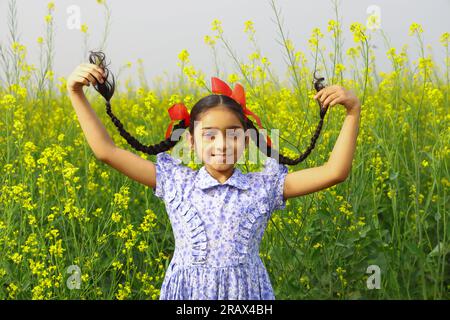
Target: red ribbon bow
238,94
180,112
177,112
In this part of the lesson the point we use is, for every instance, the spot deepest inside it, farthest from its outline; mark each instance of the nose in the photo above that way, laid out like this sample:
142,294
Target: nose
222,144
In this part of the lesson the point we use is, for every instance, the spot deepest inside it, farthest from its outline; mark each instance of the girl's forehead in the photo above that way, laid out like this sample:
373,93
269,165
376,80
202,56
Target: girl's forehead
218,118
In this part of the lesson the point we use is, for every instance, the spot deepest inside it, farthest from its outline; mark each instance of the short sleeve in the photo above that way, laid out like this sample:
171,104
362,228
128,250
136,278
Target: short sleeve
274,175
167,171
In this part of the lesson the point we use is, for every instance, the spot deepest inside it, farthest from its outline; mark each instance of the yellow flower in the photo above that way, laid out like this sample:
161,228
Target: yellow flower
17,47
121,198
339,270
352,52
12,290
314,39
104,175
415,28
16,258
56,249
84,28
358,31
289,45
425,63
100,1
123,292
48,18
254,56
373,22
249,26
391,193
339,68
424,163
49,74
444,39
84,277
233,77
332,24
184,56
217,26
117,265
148,222
142,246
115,216
53,233
140,131
32,220
51,5
210,41
265,61
40,40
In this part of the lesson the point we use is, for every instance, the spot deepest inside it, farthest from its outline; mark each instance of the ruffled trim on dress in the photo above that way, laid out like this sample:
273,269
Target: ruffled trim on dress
165,166
246,229
198,234
196,228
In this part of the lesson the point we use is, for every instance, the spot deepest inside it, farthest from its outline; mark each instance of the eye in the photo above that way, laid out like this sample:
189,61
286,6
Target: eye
209,134
234,134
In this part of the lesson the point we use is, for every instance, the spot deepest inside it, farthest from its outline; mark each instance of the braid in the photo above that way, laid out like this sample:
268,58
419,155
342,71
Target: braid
164,145
274,153
106,89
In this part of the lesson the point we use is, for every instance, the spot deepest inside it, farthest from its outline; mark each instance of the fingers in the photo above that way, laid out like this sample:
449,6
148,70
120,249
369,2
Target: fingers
330,98
88,76
319,94
98,76
96,72
335,101
322,95
82,80
92,66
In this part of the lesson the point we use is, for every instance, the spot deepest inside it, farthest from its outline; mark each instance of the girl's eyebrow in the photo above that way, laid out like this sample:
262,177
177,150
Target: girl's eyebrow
230,127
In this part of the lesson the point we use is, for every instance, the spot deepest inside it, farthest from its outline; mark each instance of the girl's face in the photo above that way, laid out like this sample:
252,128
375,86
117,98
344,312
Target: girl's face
219,138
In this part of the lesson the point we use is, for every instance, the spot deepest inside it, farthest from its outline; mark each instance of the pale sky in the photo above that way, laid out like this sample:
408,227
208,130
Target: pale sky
156,31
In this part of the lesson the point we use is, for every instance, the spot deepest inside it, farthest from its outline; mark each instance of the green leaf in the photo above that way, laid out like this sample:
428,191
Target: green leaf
440,249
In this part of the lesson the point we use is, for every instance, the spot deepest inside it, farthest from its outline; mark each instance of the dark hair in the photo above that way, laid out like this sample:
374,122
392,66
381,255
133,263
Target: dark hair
106,89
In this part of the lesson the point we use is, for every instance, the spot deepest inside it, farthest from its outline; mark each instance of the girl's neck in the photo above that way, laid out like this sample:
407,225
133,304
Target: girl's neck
221,176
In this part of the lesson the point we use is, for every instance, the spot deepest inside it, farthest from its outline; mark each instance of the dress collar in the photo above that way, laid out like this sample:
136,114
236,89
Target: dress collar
204,180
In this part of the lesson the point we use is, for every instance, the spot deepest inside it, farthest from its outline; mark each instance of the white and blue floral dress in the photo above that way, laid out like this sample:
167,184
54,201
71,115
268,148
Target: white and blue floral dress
218,229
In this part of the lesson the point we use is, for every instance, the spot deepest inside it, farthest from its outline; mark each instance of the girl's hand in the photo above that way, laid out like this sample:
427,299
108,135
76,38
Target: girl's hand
334,94
85,74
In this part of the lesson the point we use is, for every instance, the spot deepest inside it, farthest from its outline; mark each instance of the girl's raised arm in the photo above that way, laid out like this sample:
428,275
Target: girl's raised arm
338,167
102,145
96,134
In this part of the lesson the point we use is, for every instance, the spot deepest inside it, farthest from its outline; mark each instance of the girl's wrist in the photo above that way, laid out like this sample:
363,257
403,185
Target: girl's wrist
354,109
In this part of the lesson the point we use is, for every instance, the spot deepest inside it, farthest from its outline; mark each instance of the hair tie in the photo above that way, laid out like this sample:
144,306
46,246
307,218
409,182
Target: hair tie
238,94
177,112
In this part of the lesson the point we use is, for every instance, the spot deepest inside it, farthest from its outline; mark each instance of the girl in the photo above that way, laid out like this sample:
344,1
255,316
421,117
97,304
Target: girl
218,214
